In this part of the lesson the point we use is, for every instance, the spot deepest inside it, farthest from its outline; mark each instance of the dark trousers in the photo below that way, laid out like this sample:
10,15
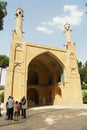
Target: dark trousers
10,113
21,112
24,113
7,112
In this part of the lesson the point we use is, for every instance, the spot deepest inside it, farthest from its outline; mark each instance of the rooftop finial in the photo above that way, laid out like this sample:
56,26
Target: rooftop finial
68,33
19,15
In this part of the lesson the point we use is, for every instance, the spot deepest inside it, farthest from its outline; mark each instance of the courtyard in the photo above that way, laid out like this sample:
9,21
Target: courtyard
49,118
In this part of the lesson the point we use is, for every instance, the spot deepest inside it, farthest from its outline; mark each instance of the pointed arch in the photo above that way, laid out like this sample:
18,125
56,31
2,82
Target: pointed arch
50,63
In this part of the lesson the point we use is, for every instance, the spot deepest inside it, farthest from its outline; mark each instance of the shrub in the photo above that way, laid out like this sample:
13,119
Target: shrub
2,87
2,97
84,97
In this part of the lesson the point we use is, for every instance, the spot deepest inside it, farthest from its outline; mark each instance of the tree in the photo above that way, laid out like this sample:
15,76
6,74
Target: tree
4,62
2,87
80,67
3,13
83,72
84,97
83,77
2,97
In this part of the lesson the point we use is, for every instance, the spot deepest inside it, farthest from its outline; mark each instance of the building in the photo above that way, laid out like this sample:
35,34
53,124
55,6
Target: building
44,75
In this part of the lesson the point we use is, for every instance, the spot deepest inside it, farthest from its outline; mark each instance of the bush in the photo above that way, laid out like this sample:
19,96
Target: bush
85,97
84,86
2,87
2,97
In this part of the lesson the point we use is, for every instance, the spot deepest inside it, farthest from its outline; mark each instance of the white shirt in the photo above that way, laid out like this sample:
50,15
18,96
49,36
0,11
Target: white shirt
10,103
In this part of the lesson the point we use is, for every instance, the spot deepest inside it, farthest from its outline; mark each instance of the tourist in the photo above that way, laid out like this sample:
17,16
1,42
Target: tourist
7,109
19,108
24,107
16,111
21,111
10,108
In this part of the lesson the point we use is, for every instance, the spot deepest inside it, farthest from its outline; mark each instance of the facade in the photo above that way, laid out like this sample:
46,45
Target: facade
44,75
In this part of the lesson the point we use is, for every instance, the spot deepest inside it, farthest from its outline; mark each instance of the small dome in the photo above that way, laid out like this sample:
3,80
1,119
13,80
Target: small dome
19,12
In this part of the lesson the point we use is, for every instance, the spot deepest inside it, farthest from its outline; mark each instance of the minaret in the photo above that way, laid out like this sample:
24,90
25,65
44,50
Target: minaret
68,33
17,35
19,18
71,65
16,53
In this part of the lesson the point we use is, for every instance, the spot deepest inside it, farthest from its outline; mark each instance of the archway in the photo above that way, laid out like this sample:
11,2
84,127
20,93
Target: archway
44,72
33,97
32,77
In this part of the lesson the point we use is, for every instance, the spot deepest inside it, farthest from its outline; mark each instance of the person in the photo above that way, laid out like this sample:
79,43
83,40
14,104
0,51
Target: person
21,111
0,109
24,106
7,109
19,108
10,108
16,111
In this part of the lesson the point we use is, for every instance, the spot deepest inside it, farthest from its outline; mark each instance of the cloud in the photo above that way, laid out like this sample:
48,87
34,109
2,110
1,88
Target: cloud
71,15
44,29
75,16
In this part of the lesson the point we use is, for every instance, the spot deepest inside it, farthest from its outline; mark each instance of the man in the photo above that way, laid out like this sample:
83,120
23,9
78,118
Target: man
24,106
10,108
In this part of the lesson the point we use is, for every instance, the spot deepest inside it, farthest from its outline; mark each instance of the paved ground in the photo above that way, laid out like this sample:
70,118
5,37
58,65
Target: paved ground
49,118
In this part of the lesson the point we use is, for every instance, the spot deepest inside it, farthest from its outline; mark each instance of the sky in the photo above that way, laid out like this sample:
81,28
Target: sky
43,24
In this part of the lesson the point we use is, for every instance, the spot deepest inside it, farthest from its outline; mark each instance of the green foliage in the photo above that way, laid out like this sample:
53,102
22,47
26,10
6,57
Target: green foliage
84,86
86,6
83,72
84,97
4,61
83,77
3,13
2,87
80,67
2,97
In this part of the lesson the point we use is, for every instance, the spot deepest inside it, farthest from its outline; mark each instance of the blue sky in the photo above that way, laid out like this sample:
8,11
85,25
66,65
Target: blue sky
44,23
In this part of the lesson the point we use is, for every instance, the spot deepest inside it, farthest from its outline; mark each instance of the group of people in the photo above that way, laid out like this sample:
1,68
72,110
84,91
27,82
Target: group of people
15,108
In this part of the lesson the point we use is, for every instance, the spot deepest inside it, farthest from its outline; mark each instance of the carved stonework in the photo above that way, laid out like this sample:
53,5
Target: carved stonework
67,27
45,75
68,33
19,16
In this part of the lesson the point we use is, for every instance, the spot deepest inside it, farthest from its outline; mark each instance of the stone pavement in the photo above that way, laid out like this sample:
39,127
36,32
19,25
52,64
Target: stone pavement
49,118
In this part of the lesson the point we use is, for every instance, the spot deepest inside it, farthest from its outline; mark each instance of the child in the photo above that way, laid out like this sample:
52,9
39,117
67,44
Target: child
16,111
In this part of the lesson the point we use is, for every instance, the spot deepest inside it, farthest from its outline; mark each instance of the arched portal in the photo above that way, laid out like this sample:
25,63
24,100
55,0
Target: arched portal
33,97
45,71
33,78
